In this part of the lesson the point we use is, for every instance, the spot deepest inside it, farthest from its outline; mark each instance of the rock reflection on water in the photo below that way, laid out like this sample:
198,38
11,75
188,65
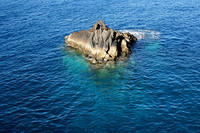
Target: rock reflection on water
102,75
76,56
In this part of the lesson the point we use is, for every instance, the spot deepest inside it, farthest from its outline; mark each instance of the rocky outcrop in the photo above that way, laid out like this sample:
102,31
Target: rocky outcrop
100,43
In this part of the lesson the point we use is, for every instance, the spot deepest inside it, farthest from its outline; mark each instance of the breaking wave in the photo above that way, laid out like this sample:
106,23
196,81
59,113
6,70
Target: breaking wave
143,34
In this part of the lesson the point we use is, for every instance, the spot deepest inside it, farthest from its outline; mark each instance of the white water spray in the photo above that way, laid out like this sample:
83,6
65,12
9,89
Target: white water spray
143,34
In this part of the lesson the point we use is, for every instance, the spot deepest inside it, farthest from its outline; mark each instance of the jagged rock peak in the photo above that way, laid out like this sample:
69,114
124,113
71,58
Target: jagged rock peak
99,25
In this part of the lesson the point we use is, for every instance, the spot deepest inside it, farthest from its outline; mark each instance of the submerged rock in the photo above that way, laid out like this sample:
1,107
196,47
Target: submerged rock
101,44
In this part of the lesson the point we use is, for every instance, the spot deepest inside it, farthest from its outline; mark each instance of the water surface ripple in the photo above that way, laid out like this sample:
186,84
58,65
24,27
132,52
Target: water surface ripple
45,87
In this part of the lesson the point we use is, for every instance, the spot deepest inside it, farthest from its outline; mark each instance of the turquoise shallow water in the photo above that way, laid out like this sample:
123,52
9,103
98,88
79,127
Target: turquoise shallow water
45,87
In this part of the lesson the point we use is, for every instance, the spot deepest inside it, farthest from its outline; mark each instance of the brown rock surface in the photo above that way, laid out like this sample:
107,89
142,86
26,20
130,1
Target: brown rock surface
100,43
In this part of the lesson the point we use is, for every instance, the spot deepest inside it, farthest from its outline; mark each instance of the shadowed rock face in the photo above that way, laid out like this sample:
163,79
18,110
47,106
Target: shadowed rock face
100,43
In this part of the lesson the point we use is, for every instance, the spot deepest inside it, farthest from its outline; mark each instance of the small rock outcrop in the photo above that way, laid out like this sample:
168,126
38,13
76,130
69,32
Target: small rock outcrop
101,44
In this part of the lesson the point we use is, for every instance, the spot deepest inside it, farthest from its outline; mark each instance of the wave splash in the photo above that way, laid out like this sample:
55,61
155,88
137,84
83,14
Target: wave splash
143,34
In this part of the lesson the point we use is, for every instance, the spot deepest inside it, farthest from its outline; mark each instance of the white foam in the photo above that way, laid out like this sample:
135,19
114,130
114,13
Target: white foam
143,34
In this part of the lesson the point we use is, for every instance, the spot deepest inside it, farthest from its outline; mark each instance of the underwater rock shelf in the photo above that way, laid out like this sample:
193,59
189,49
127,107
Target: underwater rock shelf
101,44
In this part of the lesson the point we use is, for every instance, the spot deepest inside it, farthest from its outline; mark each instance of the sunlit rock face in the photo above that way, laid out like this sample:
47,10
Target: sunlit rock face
101,44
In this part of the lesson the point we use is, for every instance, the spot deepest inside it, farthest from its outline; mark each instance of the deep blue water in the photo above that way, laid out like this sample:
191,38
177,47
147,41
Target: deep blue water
45,87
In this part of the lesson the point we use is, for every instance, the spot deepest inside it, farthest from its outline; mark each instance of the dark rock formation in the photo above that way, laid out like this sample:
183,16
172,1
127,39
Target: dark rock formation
100,43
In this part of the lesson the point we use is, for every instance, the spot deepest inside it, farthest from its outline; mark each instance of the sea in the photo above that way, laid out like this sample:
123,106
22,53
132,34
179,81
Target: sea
48,87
